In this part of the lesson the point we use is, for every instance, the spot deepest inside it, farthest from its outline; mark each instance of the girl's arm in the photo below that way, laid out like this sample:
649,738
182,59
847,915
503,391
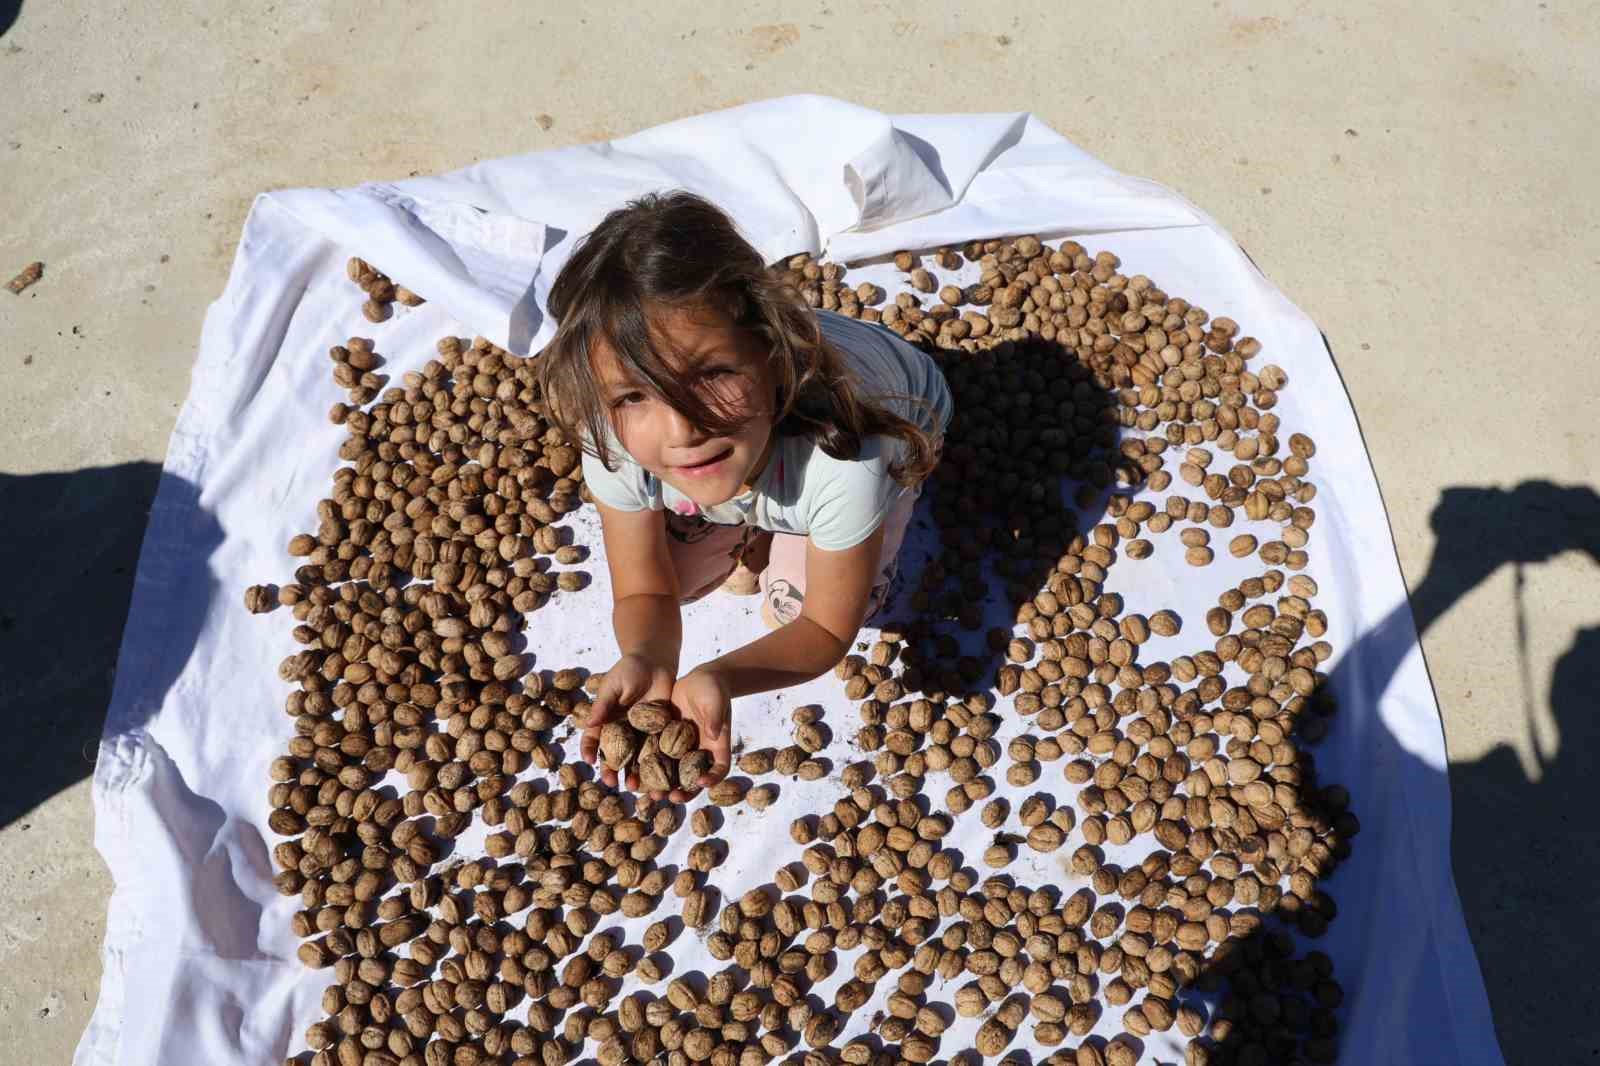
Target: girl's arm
838,588
644,614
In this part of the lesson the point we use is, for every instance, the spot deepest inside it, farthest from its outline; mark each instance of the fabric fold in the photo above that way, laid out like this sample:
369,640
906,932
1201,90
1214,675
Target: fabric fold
479,264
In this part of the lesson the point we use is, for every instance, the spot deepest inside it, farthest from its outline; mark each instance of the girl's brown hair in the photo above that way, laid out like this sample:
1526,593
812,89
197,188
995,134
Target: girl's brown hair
679,250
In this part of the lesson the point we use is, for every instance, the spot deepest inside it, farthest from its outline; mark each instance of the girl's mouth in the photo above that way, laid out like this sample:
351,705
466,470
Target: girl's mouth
710,466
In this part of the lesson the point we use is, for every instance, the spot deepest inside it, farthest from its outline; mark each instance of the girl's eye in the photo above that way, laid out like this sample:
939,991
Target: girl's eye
627,399
718,375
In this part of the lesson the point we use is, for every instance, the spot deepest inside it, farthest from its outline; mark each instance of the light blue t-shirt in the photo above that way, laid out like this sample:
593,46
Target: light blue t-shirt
838,503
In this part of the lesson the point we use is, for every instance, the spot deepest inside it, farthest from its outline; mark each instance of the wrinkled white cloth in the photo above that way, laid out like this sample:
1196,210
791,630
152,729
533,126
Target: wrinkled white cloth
199,959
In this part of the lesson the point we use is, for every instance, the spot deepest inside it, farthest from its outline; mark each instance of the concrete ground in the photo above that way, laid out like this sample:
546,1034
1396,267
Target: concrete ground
1410,174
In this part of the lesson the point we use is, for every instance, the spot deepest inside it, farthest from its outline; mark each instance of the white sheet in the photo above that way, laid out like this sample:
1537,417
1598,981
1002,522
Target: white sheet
199,960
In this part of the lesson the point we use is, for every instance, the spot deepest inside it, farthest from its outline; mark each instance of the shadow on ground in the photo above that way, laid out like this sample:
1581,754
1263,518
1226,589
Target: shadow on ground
1524,849
71,541
9,10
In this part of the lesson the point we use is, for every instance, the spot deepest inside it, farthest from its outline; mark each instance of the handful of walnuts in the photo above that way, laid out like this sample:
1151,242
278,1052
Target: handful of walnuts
657,747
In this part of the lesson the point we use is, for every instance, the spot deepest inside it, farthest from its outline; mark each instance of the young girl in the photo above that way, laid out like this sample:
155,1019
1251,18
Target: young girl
725,424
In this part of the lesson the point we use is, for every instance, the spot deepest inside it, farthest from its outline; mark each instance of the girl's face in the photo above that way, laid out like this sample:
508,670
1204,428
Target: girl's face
729,366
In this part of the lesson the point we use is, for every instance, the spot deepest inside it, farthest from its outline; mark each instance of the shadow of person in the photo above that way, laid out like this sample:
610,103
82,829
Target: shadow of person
1527,860
72,541
1524,854
1479,530
1027,461
9,11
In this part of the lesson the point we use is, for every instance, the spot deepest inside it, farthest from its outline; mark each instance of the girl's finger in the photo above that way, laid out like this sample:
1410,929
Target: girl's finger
721,763
599,711
721,756
609,777
589,746
613,699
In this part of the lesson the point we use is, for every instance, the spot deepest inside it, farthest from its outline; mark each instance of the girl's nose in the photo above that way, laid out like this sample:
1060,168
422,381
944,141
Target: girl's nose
676,430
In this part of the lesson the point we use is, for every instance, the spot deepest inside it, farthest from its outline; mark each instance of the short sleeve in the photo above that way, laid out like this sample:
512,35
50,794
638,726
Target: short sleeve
901,376
624,489
851,498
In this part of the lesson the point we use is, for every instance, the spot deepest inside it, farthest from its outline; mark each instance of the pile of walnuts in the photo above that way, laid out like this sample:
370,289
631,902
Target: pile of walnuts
657,745
1080,395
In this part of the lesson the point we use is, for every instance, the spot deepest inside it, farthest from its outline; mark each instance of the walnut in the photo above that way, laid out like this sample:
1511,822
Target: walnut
619,744
651,716
28,276
259,599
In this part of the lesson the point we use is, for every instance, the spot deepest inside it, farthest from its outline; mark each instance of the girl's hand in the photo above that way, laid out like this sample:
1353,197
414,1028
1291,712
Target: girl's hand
632,679
702,696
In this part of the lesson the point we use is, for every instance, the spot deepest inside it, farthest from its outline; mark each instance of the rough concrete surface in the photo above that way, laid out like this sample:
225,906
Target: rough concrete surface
1419,177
